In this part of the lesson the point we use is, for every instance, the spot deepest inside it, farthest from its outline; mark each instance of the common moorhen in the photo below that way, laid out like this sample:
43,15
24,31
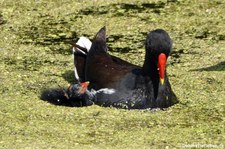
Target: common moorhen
134,86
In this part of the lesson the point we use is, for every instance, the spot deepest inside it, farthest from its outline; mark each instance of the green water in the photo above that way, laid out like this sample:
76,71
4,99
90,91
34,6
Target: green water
35,53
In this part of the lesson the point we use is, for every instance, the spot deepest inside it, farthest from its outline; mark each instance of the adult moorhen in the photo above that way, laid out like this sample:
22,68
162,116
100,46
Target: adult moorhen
134,87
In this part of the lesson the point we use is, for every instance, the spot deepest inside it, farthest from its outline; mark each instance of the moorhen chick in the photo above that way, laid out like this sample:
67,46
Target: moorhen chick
74,96
134,87
78,95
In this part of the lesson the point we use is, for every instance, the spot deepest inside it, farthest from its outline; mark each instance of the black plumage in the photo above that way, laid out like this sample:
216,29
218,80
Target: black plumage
134,87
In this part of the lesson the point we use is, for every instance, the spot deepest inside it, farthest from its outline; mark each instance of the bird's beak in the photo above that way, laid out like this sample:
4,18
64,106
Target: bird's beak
83,87
162,67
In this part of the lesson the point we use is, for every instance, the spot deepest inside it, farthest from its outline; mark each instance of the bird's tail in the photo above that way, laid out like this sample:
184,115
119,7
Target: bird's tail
99,42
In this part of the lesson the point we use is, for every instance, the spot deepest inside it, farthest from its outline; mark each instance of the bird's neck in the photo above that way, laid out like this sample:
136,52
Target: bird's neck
150,70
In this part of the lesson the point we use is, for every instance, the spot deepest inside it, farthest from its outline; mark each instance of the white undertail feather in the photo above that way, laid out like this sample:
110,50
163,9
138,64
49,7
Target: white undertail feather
77,49
85,43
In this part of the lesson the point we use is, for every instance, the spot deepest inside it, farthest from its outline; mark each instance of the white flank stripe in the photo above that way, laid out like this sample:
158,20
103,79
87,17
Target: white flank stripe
76,74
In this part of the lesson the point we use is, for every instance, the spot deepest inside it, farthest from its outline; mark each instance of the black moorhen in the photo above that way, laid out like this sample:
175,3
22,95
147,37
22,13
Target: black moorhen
134,87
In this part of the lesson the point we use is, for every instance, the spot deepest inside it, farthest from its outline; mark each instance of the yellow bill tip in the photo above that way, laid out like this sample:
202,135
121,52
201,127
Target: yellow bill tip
161,81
